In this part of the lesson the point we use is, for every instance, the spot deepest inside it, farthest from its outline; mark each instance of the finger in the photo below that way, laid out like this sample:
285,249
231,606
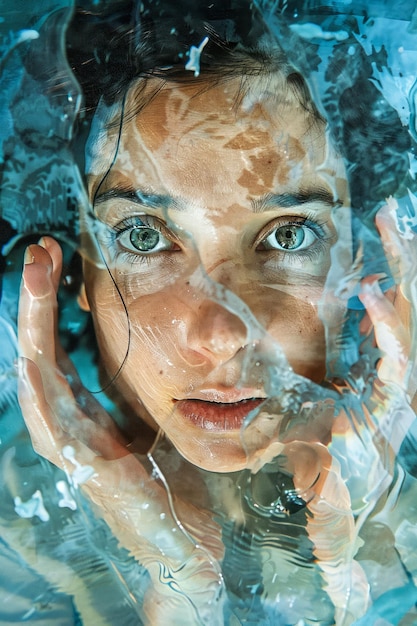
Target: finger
391,336
37,307
396,248
37,321
37,313
89,403
45,433
401,255
55,252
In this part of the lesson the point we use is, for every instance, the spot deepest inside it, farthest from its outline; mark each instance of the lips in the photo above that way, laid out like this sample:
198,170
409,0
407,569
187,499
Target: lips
217,416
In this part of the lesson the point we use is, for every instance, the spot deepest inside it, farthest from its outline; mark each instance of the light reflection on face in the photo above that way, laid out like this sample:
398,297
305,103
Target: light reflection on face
208,187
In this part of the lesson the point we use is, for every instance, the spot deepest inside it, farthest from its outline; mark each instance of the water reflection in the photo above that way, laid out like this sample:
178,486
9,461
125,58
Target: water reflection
235,434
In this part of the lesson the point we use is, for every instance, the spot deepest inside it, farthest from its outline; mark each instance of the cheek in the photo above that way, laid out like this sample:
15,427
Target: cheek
297,328
109,316
154,332
141,336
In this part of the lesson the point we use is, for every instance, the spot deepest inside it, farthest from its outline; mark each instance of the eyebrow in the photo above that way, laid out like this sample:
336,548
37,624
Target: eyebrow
156,201
289,199
141,197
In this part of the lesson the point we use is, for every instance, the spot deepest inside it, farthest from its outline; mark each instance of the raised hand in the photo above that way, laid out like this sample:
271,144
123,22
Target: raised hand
69,428
390,315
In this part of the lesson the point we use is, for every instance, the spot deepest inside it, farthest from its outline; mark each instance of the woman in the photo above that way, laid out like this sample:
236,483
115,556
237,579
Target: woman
218,205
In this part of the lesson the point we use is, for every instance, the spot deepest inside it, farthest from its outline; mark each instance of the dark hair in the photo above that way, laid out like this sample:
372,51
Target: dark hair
108,49
108,53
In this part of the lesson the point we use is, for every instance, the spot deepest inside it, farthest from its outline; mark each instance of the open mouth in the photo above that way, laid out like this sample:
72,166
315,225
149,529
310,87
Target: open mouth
218,416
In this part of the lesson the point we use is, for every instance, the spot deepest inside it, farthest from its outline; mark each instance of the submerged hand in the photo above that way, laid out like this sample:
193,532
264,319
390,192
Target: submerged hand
71,429
390,317
390,314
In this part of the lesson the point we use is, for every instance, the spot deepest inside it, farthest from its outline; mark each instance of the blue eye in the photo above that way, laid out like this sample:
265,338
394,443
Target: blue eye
290,237
143,236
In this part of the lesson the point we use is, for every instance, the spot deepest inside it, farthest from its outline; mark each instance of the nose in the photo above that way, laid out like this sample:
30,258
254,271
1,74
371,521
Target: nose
216,333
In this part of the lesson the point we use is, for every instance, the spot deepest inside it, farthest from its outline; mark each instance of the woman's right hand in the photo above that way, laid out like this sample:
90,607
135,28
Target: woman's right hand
70,428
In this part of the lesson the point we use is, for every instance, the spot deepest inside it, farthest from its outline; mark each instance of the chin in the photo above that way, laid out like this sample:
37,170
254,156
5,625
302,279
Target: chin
222,455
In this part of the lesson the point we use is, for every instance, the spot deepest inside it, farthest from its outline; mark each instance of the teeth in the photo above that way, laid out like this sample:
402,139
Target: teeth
243,401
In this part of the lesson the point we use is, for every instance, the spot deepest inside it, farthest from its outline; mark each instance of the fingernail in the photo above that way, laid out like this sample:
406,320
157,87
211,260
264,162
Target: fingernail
38,254
36,271
44,242
29,256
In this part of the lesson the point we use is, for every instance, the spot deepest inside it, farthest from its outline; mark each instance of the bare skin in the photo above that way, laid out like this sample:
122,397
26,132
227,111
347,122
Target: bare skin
98,444
188,341
216,189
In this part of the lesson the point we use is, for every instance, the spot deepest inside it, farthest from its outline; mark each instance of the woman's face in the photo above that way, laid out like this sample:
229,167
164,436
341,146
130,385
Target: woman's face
216,218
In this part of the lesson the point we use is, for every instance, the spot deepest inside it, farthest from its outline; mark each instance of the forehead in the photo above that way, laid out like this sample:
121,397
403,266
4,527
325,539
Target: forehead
224,109
248,135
